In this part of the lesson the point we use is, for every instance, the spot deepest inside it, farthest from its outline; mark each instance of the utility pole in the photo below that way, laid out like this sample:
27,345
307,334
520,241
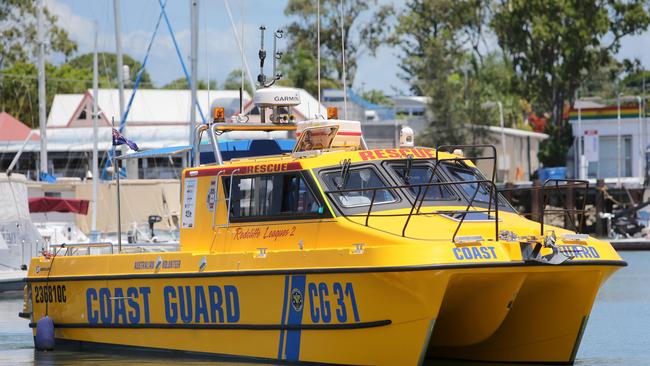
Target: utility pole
41,87
120,68
194,5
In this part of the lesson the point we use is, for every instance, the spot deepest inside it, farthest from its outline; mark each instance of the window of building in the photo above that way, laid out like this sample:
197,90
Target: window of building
607,166
273,195
358,180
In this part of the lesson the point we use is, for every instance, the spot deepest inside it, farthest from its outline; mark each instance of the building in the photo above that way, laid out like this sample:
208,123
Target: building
157,118
606,146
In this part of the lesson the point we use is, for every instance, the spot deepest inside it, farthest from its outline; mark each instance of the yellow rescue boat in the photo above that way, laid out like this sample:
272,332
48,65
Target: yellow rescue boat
335,254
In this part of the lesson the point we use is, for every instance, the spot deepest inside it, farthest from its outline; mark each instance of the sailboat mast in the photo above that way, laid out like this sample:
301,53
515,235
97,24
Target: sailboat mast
93,226
41,87
194,4
120,66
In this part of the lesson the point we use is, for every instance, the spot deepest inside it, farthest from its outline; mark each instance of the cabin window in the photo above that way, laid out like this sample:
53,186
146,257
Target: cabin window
420,174
462,174
272,195
359,180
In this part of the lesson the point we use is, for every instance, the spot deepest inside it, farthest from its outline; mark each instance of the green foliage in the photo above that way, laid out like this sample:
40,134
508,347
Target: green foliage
299,64
19,91
18,33
107,62
377,97
233,82
431,37
554,45
181,83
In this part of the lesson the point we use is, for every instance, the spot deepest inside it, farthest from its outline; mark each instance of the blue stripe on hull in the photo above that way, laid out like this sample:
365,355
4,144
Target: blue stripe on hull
292,351
283,318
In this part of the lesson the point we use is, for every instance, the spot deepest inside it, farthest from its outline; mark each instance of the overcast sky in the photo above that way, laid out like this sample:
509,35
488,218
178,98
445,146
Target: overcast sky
218,53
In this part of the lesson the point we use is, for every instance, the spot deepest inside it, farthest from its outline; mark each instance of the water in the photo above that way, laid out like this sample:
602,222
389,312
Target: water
617,334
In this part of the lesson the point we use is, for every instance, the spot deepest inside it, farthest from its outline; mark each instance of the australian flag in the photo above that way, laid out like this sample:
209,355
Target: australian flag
119,139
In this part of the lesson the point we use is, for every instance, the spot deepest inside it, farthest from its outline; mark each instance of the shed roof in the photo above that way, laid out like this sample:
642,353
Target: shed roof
150,106
12,129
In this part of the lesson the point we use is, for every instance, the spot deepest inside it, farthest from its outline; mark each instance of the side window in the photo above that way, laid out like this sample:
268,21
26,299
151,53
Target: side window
271,195
358,181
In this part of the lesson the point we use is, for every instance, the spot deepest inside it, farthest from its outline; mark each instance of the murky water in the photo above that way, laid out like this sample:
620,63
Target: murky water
618,332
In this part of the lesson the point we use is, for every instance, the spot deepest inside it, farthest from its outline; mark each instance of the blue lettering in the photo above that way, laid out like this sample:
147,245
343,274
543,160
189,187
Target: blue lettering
593,252
232,303
476,253
201,308
120,309
494,253
485,252
145,291
466,253
105,305
186,309
457,254
341,313
134,313
171,310
313,310
215,303
324,303
93,316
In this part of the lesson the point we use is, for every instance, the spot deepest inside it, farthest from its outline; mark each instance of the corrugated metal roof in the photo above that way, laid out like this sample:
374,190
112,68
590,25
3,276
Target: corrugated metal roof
150,106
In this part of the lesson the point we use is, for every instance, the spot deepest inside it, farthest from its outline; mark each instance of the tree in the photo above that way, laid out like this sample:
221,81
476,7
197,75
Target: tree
18,34
300,64
107,63
233,82
431,36
377,97
554,45
19,92
181,83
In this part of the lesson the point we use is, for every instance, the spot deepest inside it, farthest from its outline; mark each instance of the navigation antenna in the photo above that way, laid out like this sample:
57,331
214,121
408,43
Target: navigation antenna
261,78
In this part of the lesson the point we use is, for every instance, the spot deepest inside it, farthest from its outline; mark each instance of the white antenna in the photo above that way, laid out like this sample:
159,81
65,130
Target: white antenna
241,77
240,44
345,87
318,52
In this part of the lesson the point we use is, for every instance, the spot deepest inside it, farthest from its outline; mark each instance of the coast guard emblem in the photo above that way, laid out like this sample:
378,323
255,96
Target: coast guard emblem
296,299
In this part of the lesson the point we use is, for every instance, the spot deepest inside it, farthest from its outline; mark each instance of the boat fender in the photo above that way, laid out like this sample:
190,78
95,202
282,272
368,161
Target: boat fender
44,339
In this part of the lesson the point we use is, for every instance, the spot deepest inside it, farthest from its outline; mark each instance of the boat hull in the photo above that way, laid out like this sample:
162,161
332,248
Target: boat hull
515,312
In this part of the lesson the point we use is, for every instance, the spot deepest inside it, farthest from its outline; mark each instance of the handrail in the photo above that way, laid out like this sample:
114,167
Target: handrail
216,198
419,186
565,210
84,245
570,183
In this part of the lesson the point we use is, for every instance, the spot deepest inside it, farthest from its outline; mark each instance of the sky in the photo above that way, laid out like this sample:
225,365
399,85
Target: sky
218,51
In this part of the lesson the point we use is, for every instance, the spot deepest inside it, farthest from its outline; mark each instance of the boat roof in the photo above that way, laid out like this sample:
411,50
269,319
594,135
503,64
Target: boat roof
314,159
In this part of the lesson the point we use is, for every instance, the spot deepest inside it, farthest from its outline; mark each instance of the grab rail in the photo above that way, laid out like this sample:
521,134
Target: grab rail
419,186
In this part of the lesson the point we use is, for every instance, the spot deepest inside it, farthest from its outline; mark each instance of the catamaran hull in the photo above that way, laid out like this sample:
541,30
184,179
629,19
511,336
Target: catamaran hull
382,316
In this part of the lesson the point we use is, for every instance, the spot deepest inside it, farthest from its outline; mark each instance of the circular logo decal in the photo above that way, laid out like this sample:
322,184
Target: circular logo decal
296,299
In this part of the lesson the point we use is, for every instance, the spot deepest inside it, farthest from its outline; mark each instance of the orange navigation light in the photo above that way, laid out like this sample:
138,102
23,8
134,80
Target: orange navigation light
332,113
219,114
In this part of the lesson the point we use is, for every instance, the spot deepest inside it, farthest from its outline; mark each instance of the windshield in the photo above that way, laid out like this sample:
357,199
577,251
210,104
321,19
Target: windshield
463,174
421,175
359,178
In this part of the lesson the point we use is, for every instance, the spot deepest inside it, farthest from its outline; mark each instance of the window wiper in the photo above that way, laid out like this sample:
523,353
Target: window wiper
407,169
345,173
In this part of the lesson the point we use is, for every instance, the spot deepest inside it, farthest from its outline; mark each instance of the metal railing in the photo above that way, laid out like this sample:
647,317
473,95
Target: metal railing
421,195
556,185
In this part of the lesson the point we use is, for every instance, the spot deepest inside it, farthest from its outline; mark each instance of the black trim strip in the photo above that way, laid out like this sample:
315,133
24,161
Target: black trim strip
362,325
266,272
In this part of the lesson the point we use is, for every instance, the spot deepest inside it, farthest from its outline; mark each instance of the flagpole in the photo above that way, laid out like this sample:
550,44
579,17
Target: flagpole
119,216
